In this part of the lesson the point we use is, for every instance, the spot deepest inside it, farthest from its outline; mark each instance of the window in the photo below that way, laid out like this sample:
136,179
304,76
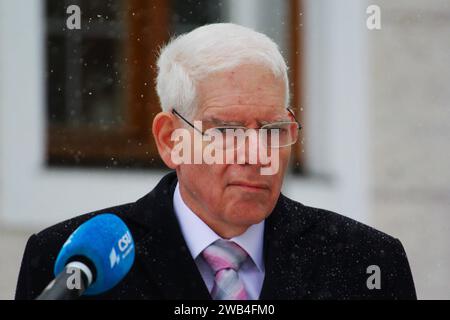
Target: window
100,79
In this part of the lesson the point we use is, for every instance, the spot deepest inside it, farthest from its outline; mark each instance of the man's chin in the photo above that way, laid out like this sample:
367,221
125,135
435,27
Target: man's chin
249,213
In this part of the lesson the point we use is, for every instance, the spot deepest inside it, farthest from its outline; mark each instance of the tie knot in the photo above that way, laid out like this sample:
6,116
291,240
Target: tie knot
223,254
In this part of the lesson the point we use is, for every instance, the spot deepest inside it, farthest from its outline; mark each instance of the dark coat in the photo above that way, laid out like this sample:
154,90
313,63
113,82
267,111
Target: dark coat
309,253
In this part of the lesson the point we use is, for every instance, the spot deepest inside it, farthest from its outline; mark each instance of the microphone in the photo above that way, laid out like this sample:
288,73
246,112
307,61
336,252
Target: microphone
95,258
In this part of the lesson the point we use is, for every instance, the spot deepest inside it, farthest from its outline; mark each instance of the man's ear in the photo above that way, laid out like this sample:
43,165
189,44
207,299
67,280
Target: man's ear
162,128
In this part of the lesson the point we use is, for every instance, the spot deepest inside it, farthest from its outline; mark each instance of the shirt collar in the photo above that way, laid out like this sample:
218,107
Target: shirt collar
198,235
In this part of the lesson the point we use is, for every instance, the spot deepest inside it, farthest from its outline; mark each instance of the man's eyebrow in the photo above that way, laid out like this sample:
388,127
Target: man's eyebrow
277,119
224,122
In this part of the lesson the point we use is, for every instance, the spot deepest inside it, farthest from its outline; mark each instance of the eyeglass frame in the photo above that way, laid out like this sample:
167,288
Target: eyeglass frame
175,112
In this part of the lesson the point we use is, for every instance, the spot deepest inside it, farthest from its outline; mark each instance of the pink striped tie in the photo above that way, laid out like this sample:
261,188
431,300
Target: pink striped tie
225,258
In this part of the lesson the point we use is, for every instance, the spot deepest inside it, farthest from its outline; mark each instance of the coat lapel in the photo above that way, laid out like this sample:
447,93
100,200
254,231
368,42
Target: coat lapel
289,260
162,250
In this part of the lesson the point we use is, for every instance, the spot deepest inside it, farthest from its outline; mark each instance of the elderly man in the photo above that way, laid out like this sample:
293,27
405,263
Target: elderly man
221,229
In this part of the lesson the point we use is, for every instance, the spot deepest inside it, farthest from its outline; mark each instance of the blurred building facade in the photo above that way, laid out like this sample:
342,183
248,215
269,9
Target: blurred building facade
410,136
374,106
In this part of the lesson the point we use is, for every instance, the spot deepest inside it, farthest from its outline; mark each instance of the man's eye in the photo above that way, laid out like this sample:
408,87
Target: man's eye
224,130
279,130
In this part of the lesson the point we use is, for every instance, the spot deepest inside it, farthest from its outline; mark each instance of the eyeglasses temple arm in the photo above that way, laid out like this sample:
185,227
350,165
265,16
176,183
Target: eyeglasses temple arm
292,113
185,120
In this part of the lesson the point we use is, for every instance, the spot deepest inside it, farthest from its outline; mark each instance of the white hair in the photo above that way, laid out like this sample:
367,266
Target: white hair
191,57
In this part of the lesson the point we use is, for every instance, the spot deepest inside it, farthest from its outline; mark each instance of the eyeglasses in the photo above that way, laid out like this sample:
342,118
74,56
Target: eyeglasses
287,133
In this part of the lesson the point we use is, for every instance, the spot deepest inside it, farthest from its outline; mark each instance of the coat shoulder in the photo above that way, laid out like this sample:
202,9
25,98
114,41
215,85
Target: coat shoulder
345,252
329,228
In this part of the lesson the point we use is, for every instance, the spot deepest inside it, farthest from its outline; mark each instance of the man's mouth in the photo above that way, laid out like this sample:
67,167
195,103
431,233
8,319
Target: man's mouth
249,186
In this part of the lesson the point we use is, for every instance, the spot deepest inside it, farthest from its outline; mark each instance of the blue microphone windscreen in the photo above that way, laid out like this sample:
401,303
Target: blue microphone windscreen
106,241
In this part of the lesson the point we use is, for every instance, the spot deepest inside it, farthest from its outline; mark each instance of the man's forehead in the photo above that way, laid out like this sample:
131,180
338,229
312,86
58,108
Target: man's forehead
244,85
244,113
273,95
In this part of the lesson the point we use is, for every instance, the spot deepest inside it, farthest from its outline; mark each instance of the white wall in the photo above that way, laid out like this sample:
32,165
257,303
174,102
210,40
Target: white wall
409,103
336,133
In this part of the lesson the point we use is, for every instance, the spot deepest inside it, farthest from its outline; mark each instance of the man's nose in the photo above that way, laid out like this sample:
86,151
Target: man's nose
254,150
